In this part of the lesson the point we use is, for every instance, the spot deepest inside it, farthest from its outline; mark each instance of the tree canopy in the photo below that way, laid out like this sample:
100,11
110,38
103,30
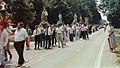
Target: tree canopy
30,10
111,8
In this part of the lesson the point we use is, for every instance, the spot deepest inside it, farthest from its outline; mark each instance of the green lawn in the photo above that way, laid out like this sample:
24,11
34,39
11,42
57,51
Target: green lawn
117,31
118,49
118,40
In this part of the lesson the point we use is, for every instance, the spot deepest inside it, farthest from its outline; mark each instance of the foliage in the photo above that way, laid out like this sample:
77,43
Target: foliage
111,8
33,9
20,12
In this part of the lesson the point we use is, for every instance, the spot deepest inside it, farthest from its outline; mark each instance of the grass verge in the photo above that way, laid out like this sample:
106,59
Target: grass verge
118,49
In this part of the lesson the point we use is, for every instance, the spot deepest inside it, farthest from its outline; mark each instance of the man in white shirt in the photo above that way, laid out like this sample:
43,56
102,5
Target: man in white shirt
82,31
3,43
68,30
42,36
86,32
36,34
19,39
60,35
77,32
53,35
48,35
71,33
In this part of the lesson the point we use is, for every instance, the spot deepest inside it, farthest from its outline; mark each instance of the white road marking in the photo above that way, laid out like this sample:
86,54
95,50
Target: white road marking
99,56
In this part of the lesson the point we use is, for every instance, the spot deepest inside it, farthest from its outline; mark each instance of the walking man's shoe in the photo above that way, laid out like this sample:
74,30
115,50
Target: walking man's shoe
19,65
2,65
27,48
10,57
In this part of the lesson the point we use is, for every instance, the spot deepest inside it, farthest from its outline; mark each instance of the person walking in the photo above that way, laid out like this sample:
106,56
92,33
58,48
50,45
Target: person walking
29,31
53,35
20,37
36,34
60,35
82,31
71,33
7,50
68,31
65,33
86,32
77,32
90,29
42,36
4,37
48,34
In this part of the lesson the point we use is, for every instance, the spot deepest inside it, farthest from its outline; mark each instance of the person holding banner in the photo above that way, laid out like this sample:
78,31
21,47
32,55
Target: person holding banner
111,37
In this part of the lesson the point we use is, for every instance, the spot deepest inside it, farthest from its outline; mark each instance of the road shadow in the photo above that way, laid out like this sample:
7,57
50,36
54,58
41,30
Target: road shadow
25,67
13,66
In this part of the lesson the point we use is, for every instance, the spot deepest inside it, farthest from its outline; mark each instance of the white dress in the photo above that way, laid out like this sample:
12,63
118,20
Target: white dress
110,30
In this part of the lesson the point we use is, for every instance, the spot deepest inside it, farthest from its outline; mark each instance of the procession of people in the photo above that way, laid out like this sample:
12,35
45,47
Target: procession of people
46,36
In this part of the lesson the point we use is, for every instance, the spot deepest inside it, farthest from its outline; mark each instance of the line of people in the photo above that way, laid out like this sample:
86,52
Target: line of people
45,37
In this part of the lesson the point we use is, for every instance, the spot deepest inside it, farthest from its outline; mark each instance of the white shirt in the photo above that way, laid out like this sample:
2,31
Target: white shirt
53,29
3,38
49,31
36,32
68,28
73,27
20,35
59,30
82,28
109,29
42,30
77,29
71,31
9,31
86,28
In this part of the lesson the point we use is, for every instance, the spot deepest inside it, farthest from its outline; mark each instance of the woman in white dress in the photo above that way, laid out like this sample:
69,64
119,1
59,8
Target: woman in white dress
111,37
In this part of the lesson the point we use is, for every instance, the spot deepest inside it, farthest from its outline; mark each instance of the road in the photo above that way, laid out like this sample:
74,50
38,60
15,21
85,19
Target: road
91,53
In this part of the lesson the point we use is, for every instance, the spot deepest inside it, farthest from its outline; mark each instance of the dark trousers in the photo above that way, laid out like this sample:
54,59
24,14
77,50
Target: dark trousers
7,50
19,46
42,40
86,35
48,42
71,37
82,34
53,40
90,30
37,41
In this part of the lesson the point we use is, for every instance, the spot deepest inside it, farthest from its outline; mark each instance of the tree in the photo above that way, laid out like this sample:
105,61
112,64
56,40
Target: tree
32,9
54,7
38,7
111,8
20,12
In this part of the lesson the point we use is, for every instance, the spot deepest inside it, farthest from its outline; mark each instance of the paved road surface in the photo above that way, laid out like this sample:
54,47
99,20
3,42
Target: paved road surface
92,53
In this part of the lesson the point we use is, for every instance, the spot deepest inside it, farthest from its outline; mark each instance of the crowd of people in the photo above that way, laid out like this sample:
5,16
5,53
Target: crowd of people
45,36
